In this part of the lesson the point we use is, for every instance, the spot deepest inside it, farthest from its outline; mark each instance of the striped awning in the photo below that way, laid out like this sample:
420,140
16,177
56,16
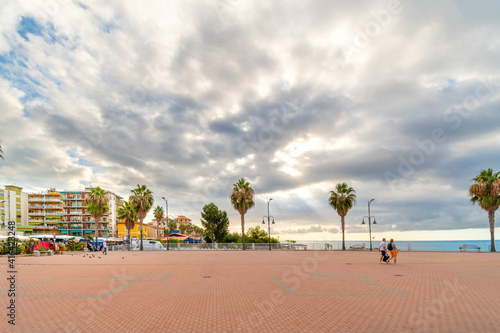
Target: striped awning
64,231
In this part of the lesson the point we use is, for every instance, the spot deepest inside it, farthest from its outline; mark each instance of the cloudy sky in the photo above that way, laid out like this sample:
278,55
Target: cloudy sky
400,99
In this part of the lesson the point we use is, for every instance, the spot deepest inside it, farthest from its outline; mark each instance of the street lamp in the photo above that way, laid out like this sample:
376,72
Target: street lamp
370,222
268,222
168,231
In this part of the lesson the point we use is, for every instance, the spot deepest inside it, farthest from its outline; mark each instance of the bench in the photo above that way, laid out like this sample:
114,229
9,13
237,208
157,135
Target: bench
357,247
300,246
464,247
37,253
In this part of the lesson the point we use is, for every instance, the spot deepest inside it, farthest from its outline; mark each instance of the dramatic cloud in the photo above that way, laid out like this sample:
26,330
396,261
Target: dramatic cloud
399,99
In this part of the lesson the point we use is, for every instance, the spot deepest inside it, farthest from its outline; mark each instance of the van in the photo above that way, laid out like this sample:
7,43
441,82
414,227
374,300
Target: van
147,245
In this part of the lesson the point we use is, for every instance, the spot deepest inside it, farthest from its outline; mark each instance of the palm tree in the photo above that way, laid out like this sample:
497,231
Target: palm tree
97,206
242,200
127,214
1,152
182,228
158,214
143,199
486,192
171,224
342,200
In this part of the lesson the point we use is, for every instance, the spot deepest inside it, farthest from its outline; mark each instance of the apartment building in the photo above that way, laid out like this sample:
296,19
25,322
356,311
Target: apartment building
14,207
114,203
65,213
182,220
45,212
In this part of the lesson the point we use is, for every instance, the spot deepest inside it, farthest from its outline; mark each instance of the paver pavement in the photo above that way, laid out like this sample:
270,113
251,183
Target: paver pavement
254,291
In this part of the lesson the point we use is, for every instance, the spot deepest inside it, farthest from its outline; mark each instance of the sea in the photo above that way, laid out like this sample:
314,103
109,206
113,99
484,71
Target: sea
448,245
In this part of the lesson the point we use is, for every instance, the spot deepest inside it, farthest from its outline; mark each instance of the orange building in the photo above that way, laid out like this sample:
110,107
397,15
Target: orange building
182,220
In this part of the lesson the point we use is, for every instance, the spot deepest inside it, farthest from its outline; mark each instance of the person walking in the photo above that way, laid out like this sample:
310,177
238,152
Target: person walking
104,248
382,249
394,251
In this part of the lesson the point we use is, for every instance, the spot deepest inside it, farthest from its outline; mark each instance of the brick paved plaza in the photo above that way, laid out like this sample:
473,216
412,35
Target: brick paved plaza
259,291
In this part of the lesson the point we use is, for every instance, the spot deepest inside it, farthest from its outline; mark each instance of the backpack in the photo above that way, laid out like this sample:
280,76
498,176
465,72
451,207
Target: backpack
390,247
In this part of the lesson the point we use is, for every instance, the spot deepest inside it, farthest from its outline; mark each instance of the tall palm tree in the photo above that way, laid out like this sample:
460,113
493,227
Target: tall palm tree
158,214
242,200
1,152
143,199
486,192
97,206
127,214
342,200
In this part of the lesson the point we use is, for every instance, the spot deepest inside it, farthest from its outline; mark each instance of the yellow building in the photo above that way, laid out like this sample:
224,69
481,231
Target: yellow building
135,232
14,207
45,212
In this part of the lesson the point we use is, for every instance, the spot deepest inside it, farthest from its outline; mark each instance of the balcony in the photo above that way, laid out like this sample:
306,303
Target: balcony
76,213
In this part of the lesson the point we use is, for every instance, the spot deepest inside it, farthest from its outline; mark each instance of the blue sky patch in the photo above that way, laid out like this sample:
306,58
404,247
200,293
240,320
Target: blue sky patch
27,26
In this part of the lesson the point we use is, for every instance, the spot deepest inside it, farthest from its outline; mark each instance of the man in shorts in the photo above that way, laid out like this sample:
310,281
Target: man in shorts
393,250
381,249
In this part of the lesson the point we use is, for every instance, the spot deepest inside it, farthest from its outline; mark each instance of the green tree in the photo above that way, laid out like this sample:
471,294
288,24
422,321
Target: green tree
258,235
127,213
342,201
486,193
172,225
182,228
215,222
232,237
158,214
143,200
242,200
199,231
97,206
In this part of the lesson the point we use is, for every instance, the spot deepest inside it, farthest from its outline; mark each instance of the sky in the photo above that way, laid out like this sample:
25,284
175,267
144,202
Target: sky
399,99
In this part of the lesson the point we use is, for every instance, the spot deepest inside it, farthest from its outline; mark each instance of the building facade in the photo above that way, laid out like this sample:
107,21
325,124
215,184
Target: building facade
135,232
65,213
45,211
182,220
14,207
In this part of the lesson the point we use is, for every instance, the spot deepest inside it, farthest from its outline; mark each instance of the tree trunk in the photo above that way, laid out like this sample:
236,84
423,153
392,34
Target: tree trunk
141,248
491,217
343,229
243,230
128,241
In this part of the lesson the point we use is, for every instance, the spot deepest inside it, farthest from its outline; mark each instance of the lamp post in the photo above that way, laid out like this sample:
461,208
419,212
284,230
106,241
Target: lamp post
370,222
268,222
168,231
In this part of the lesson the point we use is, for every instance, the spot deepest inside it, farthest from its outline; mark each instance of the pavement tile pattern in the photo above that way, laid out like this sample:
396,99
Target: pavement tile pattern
254,291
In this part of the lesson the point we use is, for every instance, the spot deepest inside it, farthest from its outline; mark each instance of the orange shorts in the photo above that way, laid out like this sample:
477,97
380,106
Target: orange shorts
394,254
